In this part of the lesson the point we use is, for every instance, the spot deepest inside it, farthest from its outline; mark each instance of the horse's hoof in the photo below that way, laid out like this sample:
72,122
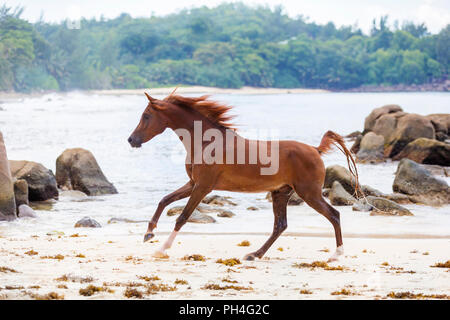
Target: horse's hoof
160,255
148,236
249,257
335,257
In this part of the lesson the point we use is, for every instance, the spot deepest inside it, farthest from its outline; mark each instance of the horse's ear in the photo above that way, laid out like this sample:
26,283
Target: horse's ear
148,97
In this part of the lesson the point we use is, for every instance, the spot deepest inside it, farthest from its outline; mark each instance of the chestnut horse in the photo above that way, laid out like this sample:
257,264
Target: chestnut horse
300,170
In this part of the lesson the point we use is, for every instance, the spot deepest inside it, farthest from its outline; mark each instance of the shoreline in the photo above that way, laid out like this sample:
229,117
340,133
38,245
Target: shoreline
11,96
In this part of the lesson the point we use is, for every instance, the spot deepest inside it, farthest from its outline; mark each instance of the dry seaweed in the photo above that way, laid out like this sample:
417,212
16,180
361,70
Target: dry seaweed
229,280
319,264
343,292
152,288
133,293
31,252
49,296
305,291
6,269
229,262
56,257
411,295
194,257
180,281
147,278
441,264
244,243
91,289
213,286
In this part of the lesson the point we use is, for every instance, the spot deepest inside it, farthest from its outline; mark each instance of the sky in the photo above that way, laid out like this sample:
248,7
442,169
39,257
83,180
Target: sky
434,13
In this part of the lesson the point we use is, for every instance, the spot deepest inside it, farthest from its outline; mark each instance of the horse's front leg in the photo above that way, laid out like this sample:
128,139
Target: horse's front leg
183,192
198,193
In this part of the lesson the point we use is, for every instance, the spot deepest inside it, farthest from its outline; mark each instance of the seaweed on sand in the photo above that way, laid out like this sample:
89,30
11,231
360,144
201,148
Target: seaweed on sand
213,286
229,262
194,257
318,264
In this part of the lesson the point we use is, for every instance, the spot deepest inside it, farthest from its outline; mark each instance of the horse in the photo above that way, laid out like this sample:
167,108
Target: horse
300,166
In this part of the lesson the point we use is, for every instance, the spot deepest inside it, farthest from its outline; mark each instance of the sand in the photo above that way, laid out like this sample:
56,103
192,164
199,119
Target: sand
372,268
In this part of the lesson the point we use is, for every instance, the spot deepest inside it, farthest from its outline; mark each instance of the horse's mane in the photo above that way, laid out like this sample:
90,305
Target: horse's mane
213,110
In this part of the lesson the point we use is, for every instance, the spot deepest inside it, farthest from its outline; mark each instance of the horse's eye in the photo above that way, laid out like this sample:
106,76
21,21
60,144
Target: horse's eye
146,116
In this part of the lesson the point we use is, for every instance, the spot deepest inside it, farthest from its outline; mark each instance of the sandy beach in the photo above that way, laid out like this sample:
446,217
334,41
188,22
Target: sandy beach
370,269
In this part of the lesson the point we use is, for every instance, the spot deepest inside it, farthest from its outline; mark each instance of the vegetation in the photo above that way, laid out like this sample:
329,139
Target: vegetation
231,45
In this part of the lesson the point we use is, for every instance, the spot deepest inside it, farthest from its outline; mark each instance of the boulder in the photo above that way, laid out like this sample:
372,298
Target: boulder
25,211
362,205
339,197
441,122
409,128
41,181
21,192
341,174
196,217
77,169
356,145
398,198
420,185
426,151
225,214
7,199
382,206
369,191
252,208
87,222
371,148
126,220
377,113
294,200
385,126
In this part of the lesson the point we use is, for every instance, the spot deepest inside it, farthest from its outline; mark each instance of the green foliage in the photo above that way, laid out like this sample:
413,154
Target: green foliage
230,46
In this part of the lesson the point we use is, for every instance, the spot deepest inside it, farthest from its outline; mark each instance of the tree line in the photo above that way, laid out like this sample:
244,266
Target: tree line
229,46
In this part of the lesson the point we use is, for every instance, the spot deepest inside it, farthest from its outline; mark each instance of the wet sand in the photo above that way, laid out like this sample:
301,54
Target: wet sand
370,269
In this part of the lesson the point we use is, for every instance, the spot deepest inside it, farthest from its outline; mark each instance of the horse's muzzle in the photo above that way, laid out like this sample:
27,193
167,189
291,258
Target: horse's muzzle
134,142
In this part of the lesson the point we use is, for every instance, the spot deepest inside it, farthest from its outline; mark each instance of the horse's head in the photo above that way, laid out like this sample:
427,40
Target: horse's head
152,123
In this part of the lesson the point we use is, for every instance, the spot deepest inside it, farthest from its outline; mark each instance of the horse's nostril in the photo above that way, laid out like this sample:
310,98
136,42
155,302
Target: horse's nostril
129,139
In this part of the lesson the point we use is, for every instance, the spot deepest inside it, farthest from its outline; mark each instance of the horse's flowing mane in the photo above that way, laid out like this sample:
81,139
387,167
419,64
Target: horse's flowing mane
213,110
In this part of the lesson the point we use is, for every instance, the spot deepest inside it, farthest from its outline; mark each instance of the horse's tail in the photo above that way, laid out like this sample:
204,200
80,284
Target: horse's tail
325,145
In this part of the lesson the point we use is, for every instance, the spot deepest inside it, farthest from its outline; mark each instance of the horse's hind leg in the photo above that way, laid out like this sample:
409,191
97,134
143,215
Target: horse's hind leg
183,192
280,199
317,202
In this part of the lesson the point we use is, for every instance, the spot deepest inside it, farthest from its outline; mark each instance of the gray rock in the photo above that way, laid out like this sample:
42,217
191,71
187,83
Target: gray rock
225,214
339,196
252,208
342,175
369,191
87,222
25,211
41,181
217,200
21,192
420,185
382,206
196,216
371,148
126,220
77,169
376,113
398,198
73,195
426,151
362,205
7,199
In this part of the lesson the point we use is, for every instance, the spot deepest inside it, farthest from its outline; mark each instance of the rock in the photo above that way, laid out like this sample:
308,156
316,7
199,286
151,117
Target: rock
371,148
218,200
409,128
73,195
41,181
7,199
355,147
369,191
341,174
426,151
441,122
252,208
196,216
420,185
339,197
398,198
21,192
77,169
437,170
43,205
377,113
387,207
87,222
225,214
385,126
115,220
362,205
354,135
294,200
25,211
